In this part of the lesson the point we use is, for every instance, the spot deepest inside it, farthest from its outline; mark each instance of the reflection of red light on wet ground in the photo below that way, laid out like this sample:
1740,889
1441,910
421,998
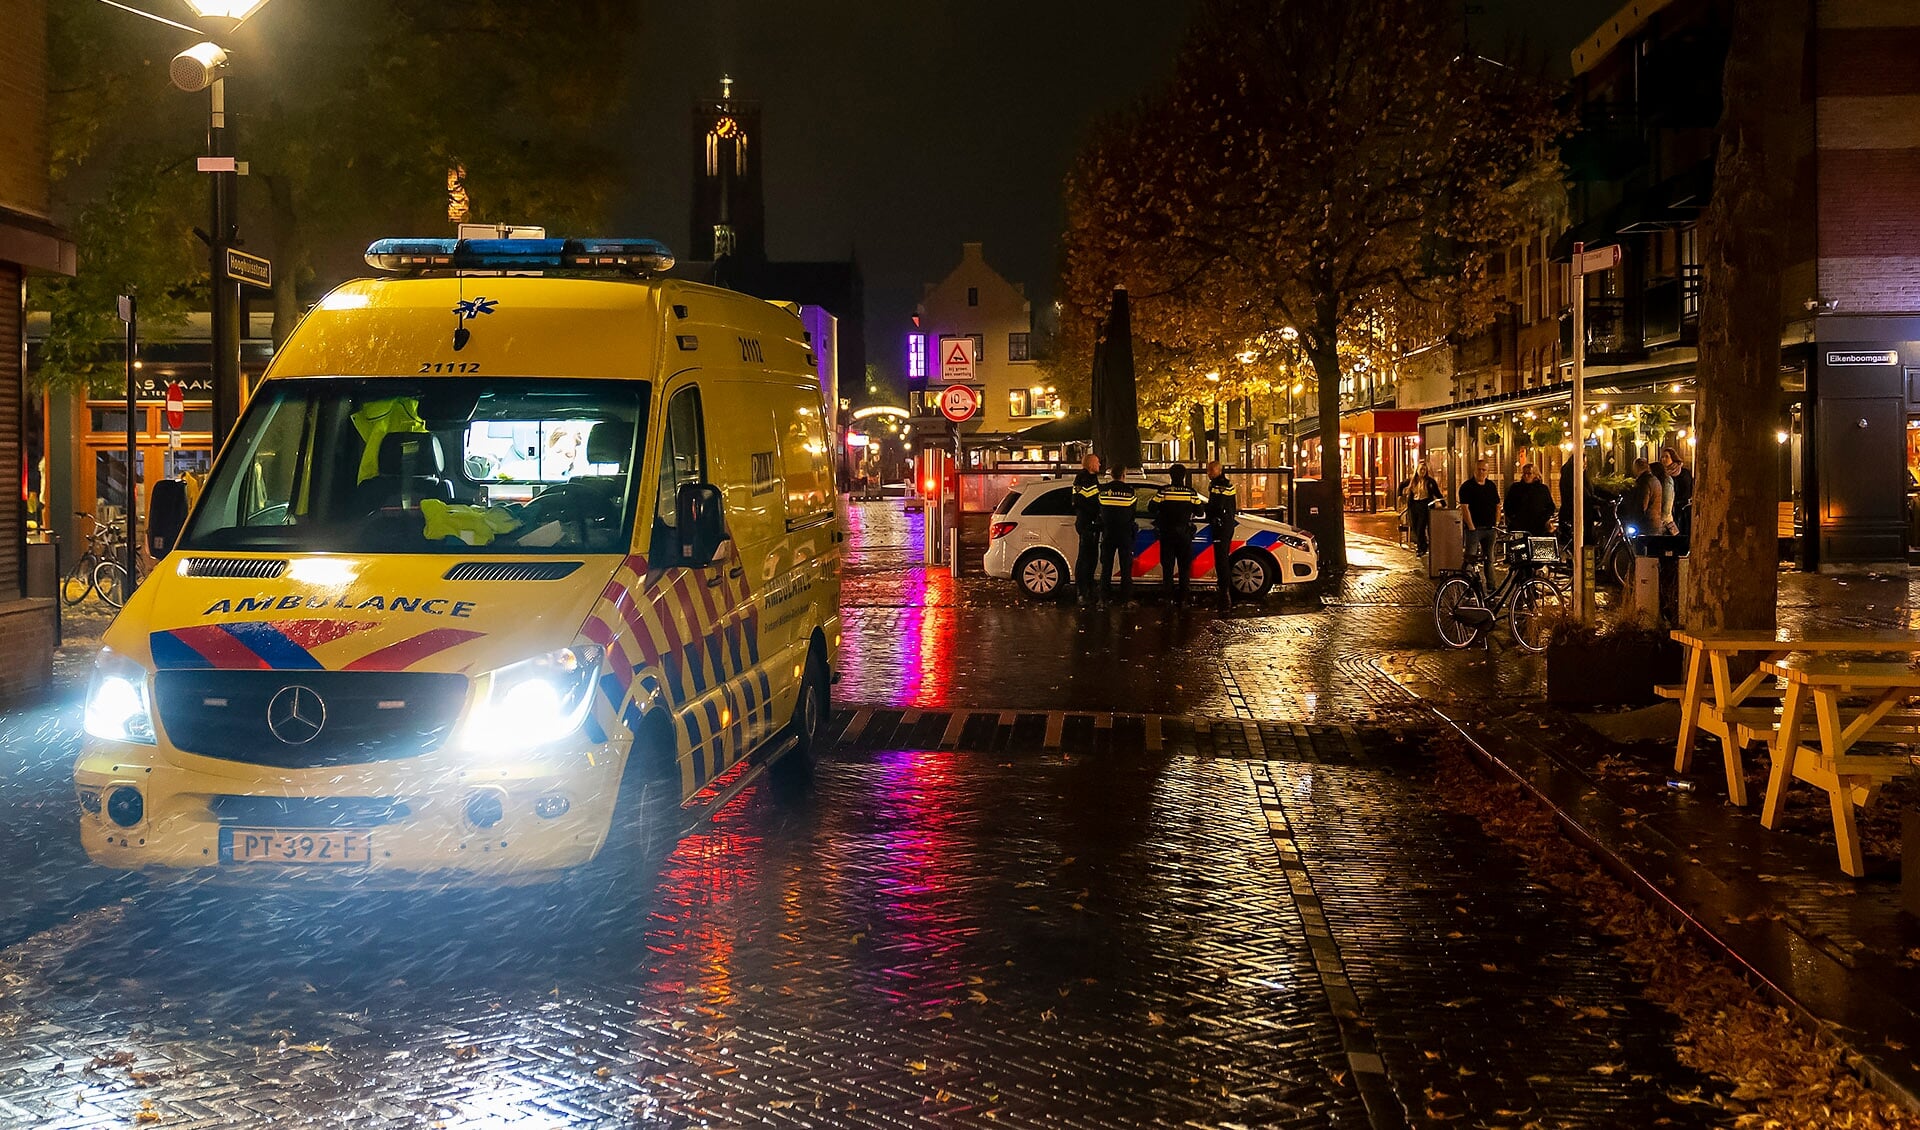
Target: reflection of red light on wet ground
902,642
710,867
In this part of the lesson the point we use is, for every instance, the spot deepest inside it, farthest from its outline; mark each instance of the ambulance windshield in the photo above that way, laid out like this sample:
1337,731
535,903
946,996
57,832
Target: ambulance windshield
437,465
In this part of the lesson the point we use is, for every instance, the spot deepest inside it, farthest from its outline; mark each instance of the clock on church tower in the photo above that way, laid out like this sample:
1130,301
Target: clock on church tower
729,218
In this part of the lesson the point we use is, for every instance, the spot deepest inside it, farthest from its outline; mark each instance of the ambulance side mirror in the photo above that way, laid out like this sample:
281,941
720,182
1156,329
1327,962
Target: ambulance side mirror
702,513
166,515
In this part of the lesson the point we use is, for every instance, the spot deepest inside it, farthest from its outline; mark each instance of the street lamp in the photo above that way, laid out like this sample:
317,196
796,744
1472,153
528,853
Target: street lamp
199,68
1217,445
1293,390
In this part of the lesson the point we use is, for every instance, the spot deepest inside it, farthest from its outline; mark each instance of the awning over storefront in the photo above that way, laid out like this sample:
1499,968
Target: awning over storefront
1382,422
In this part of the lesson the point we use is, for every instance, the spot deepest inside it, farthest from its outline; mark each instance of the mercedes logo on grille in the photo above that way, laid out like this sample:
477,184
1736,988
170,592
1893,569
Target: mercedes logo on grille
296,715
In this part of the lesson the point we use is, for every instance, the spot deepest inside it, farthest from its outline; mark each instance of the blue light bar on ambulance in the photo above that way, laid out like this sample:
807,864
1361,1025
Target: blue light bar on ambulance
414,255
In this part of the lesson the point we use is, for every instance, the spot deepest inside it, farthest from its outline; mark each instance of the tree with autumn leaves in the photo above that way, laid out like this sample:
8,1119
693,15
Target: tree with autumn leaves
349,114
1313,166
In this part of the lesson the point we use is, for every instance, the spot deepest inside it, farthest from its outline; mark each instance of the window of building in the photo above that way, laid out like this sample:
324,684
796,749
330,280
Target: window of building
973,296
917,357
1018,347
1019,403
979,347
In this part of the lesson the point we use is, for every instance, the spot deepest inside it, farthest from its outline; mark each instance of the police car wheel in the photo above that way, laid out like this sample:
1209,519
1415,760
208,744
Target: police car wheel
1250,573
1041,574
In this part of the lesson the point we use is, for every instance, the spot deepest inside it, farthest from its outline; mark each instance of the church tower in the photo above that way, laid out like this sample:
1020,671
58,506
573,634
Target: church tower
729,216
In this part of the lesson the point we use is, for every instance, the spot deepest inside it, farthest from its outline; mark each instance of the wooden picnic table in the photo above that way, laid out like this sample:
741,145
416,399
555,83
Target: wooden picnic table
1850,699
1711,700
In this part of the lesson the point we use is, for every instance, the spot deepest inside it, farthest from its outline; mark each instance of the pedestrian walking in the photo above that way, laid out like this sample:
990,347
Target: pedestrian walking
1662,516
1479,501
1223,507
1681,477
1529,503
1640,509
1116,534
1420,491
1086,523
1173,511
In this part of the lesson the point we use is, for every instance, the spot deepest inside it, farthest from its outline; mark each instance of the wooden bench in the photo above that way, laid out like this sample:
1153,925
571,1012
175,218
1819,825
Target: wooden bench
1851,778
1710,691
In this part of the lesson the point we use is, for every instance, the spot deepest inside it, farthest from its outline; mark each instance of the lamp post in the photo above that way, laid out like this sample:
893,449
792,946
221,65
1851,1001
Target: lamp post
199,68
1214,452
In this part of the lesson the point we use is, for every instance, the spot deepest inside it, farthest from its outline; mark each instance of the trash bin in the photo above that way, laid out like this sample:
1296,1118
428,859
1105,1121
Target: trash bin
1317,508
1655,591
43,571
1446,540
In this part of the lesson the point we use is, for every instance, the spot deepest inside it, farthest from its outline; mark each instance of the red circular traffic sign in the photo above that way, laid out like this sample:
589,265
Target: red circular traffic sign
176,406
959,403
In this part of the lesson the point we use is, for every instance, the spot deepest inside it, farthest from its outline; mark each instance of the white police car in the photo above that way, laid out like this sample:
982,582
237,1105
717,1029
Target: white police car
1032,541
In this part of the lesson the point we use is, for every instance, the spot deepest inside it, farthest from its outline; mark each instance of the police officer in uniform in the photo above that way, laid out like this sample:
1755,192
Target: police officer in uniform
1223,504
1116,534
1086,523
1173,511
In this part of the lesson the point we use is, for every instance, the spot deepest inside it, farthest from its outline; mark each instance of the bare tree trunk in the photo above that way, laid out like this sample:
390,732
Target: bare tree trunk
1735,578
1197,421
292,256
1322,351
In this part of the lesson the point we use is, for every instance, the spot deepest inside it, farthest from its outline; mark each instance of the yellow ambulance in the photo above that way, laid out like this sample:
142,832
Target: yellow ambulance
500,551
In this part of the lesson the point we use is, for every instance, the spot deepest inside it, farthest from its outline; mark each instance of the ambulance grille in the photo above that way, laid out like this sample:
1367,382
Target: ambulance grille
512,570
362,716
252,568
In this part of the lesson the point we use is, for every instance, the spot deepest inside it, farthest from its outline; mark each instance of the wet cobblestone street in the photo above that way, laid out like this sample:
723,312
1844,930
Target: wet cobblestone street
1147,867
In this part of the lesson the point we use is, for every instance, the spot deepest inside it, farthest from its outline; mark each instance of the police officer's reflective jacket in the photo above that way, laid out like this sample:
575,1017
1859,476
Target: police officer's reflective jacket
1174,508
1086,501
1223,501
1116,503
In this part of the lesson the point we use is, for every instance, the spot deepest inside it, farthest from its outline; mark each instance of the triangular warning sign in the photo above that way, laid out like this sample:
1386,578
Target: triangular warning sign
959,354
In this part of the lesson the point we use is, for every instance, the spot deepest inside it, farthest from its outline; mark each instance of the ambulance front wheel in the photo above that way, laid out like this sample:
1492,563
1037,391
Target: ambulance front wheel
649,789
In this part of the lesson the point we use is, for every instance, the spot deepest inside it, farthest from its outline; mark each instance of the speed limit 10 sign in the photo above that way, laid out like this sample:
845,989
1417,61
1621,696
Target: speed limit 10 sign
959,403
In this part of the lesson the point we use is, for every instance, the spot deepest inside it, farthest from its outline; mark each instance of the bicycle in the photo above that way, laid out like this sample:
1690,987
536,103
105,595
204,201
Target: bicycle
110,579
1465,612
102,543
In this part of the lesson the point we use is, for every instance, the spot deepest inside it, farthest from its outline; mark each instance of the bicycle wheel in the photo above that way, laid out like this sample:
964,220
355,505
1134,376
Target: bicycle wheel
1620,563
1455,595
1537,604
79,579
110,578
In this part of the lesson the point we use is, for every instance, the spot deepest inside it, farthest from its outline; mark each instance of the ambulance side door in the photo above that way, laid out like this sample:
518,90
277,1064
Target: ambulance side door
685,613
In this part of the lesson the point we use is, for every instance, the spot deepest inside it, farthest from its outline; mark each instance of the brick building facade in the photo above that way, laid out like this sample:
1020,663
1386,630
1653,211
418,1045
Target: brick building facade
29,242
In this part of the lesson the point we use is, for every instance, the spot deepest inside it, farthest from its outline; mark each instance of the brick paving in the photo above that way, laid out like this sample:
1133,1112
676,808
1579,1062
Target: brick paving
1153,867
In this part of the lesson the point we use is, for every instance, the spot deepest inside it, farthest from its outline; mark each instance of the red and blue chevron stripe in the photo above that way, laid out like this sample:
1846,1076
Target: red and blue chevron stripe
285,645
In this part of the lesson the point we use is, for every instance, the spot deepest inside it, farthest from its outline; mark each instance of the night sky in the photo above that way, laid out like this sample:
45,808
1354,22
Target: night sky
898,129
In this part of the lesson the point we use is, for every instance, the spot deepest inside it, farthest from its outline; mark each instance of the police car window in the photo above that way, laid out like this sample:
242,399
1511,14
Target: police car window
429,466
1052,503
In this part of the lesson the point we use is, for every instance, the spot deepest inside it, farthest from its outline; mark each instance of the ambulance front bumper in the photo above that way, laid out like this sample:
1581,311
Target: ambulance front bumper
435,818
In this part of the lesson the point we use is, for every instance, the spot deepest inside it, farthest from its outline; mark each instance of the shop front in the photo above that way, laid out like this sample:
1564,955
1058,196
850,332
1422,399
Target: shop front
101,471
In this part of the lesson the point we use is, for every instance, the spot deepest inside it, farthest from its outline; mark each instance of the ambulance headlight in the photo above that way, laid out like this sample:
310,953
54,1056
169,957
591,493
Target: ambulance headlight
532,703
117,705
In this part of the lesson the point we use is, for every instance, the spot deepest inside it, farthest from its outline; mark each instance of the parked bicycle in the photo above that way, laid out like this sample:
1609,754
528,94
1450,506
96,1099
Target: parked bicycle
1465,611
110,579
103,544
1616,553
